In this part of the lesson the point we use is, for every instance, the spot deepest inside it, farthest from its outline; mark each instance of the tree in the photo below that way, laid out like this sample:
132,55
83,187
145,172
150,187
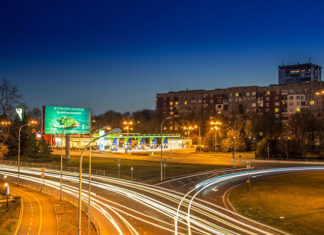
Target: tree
227,143
44,149
3,150
9,98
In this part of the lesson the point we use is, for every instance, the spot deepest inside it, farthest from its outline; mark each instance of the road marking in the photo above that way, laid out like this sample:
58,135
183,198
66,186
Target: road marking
20,216
40,213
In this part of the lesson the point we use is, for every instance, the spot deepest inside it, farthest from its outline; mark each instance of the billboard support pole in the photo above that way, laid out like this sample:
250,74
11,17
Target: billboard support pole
67,147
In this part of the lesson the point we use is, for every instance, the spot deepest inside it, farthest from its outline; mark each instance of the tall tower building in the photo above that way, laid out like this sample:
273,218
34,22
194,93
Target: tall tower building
299,73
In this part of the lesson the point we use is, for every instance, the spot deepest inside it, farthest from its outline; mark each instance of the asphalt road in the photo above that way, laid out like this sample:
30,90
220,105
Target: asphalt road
38,213
126,207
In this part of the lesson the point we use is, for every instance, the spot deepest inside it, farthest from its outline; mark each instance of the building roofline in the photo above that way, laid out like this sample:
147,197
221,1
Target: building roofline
298,66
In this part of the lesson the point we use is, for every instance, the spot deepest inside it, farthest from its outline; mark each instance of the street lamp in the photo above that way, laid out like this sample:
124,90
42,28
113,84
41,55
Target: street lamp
192,128
128,125
5,124
167,118
89,187
32,122
114,131
320,92
215,126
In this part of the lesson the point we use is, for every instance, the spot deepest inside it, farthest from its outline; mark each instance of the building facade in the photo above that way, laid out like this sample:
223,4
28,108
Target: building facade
282,100
299,73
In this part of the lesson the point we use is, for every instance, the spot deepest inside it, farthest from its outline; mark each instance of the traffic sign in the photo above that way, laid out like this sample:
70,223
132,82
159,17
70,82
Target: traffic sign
43,173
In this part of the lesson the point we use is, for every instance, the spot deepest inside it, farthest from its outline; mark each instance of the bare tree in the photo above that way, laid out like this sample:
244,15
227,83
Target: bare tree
9,97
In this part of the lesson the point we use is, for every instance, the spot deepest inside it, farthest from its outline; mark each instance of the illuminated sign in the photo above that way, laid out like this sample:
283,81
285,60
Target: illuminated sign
70,119
19,111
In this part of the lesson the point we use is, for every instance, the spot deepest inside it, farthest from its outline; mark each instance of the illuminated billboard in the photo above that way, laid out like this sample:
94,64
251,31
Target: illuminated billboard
70,119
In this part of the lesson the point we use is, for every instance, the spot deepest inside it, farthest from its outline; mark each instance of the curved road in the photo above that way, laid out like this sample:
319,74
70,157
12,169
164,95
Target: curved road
38,213
126,207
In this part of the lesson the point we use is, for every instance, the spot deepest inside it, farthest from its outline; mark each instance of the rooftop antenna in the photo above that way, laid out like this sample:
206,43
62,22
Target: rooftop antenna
310,60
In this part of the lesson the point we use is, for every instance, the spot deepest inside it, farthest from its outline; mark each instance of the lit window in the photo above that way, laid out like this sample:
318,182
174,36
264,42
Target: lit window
268,92
171,102
312,102
186,102
236,94
276,110
298,109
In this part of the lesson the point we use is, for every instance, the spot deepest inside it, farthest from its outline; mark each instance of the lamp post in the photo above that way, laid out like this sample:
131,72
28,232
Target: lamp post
5,124
89,187
18,162
114,131
191,128
215,126
128,127
199,137
167,118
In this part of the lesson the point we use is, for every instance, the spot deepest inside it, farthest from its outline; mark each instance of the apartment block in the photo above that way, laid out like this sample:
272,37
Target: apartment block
282,100
299,73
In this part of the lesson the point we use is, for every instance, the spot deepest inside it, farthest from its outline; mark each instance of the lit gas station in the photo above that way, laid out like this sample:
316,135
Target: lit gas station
123,142
70,128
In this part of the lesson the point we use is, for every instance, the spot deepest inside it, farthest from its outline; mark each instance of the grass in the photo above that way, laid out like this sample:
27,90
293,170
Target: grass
9,215
147,166
297,198
143,170
67,216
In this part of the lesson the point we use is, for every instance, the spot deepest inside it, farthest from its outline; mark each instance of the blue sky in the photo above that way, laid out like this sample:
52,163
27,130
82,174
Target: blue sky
119,54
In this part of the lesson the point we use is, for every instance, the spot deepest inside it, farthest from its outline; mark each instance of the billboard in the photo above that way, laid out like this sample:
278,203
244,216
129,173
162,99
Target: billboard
70,119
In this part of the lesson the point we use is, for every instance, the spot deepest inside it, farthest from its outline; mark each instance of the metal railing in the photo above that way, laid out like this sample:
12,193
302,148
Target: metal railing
55,193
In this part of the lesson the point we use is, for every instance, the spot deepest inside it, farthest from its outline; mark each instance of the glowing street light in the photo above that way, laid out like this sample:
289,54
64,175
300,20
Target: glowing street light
31,122
215,126
190,128
128,126
5,123
113,131
107,127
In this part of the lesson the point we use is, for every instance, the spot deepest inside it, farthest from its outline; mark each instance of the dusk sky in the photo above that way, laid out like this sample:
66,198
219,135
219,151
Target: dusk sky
118,54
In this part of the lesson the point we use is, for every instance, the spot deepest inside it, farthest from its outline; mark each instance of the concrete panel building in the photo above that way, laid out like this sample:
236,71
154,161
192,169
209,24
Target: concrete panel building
299,73
282,100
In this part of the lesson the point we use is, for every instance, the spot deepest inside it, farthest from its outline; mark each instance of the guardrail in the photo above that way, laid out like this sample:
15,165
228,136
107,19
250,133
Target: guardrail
56,167
38,186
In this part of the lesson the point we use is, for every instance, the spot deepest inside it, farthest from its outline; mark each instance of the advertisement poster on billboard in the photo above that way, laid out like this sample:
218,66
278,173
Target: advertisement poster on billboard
72,120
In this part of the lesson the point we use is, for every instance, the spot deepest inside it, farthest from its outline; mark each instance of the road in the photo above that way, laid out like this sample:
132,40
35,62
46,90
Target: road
38,213
137,208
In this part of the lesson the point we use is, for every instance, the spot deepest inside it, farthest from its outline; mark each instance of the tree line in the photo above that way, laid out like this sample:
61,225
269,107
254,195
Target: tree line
299,135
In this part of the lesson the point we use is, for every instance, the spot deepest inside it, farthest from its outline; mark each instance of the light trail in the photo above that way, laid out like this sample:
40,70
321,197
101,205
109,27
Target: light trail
216,180
163,202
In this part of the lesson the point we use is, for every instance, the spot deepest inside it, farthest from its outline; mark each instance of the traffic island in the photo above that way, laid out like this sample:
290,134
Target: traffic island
293,203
